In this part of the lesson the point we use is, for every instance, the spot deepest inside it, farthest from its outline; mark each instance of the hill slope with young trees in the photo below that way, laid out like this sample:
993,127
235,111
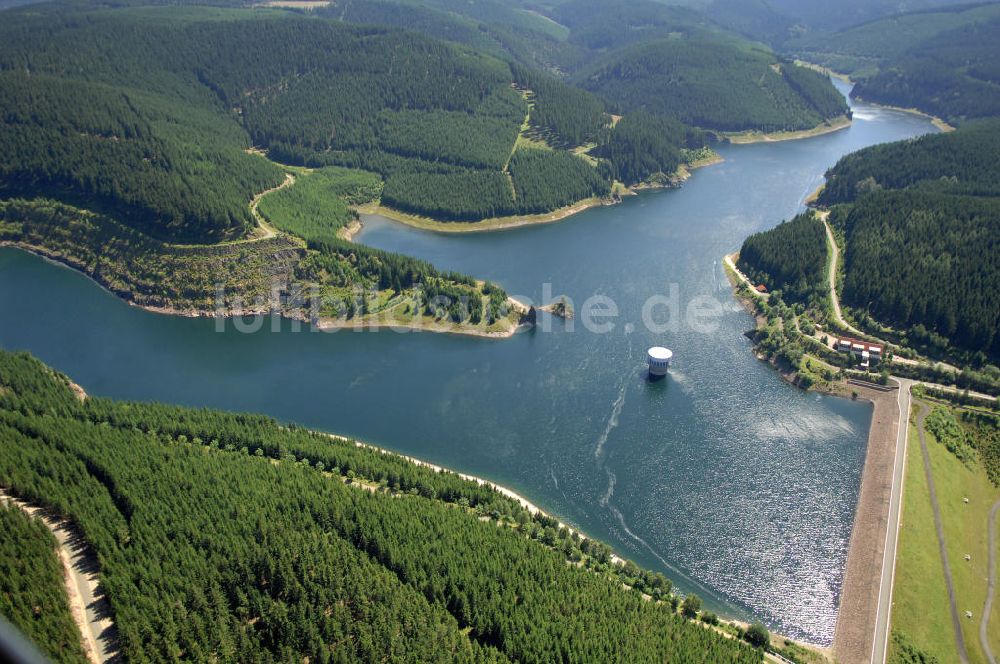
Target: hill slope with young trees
145,113
233,538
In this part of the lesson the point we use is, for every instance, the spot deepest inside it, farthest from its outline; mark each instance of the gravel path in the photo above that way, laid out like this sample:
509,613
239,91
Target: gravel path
991,590
88,605
265,229
834,257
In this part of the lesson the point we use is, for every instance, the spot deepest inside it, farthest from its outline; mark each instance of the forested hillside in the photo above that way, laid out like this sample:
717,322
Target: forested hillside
779,22
32,591
714,85
756,19
565,116
920,226
598,27
693,68
858,50
419,17
676,62
175,172
966,161
145,113
643,145
234,538
517,24
921,221
498,27
792,258
929,259
953,75
941,61
821,14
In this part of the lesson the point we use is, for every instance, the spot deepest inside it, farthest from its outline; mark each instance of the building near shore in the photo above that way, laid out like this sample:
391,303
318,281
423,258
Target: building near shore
866,353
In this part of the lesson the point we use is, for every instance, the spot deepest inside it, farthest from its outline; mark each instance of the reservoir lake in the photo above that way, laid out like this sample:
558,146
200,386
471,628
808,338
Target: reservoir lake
736,485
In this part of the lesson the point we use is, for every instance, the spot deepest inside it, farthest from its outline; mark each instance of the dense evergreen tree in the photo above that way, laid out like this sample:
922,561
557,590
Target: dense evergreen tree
476,141
539,181
921,226
171,172
930,259
965,161
814,89
643,145
231,537
465,196
544,180
570,116
714,84
791,257
32,590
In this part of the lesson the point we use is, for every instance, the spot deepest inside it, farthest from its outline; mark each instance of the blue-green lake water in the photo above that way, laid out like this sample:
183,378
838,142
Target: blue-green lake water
736,485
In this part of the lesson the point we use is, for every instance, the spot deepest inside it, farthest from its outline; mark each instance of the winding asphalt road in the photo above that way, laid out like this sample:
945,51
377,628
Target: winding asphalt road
991,589
963,654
